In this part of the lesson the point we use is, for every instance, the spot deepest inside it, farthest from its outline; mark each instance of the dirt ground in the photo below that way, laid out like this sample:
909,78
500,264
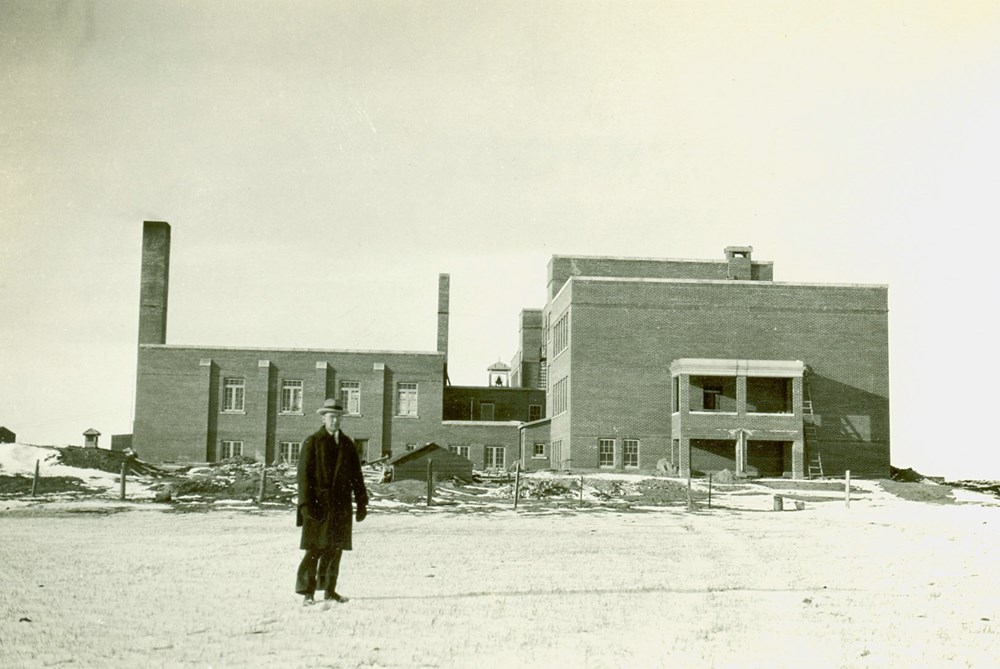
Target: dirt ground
884,583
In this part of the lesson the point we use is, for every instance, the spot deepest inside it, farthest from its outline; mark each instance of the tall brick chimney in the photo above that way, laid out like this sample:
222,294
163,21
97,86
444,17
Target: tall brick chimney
738,258
444,287
155,280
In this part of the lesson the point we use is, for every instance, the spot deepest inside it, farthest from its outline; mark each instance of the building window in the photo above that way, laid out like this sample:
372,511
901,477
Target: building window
630,452
350,397
496,457
711,398
233,394
559,396
291,396
288,452
486,411
410,447
538,451
460,450
534,412
230,449
606,452
406,399
543,375
560,336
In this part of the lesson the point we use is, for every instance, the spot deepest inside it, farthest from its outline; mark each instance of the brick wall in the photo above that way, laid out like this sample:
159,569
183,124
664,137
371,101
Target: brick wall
625,334
561,268
179,414
465,402
477,436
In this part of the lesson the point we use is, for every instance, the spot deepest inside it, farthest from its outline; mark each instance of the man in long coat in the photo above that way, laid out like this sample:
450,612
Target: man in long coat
329,472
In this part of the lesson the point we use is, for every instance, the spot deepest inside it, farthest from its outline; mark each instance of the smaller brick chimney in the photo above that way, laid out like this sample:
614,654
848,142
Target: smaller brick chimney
739,262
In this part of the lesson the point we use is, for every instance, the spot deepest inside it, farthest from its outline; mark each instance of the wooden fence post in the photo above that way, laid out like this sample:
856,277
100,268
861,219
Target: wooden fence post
847,489
34,481
430,480
517,482
581,489
263,481
710,490
121,493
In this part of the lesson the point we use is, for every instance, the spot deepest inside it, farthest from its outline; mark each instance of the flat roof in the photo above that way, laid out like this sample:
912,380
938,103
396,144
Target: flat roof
754,282
737,367
719,261
277,349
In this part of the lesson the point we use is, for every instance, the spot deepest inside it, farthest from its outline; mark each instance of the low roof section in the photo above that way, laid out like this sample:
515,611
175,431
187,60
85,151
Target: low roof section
413,464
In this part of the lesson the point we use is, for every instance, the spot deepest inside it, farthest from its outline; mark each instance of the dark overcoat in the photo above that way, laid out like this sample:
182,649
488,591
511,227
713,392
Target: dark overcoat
329,472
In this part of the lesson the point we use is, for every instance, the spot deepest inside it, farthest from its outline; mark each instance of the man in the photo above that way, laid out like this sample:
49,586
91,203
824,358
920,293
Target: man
329,472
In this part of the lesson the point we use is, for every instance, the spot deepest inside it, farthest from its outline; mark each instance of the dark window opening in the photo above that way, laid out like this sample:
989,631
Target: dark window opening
711,398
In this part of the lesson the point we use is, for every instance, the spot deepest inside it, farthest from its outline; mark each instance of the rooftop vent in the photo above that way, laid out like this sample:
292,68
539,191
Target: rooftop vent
738,258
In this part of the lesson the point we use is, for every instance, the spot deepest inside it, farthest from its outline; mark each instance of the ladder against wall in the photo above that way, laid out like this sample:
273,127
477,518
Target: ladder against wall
811,442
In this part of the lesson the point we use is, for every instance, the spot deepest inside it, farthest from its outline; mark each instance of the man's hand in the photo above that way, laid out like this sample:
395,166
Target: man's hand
362,513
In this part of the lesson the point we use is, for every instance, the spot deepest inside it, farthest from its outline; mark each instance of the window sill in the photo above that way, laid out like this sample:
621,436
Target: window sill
233,413
291,413
703,412
407,415
538,457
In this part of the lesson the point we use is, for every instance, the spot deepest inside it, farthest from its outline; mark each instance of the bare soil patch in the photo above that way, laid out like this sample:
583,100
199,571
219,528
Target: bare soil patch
934,493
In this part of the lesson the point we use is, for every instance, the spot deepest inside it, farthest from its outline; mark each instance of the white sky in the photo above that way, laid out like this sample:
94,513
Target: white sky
320,163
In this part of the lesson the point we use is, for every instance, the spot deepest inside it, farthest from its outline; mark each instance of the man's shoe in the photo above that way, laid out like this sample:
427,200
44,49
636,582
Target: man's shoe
334,597
308,600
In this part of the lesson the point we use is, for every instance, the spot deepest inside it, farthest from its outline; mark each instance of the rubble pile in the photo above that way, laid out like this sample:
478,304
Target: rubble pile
407,490
987,487
233,479
47,485
105,461
538,489
906,475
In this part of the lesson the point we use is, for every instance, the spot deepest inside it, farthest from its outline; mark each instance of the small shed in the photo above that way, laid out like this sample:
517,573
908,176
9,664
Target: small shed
446,464
90,438
7,437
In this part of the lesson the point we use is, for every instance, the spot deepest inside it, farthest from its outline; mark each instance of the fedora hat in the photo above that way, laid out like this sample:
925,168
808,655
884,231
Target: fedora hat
330,406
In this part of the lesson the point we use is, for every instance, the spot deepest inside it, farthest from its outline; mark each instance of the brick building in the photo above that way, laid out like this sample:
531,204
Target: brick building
709,365
205,404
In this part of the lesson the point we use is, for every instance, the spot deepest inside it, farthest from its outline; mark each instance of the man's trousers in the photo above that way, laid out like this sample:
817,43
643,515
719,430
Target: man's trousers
318,571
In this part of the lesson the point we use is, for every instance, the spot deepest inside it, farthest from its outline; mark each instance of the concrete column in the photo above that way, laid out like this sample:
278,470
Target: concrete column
741,395
741,453
798,459
684,394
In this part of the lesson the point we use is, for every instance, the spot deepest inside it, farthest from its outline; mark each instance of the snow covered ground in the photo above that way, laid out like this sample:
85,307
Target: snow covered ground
883,583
